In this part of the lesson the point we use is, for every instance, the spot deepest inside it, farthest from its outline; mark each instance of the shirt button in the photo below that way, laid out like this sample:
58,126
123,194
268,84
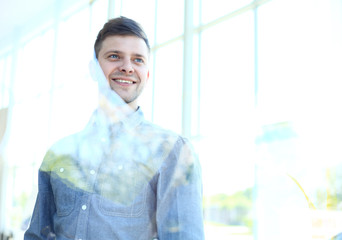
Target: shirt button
92,172
84,207
61,169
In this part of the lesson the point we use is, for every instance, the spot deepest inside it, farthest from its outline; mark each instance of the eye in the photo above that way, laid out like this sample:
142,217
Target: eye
139,60
113,56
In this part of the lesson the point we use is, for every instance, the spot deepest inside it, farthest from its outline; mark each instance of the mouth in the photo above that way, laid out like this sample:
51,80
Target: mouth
123,81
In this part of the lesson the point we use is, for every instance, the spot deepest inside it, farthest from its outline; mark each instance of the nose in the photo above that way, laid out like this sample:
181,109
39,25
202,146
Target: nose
127,67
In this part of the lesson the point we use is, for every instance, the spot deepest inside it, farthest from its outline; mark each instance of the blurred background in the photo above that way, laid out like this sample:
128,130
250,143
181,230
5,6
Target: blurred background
255,85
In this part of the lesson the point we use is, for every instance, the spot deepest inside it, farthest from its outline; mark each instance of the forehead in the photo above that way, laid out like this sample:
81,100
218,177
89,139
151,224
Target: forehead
126,44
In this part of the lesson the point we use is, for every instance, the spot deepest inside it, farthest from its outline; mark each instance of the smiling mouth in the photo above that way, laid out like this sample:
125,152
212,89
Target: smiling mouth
123,81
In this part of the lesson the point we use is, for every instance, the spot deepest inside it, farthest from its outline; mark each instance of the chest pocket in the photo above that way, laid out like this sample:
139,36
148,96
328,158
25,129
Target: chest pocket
67,179
122,189
64,195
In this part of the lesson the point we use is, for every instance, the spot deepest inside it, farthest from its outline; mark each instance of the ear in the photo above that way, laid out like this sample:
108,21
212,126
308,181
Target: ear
148,75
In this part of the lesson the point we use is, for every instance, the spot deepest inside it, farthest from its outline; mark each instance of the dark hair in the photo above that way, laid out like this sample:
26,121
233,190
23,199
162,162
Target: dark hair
121,26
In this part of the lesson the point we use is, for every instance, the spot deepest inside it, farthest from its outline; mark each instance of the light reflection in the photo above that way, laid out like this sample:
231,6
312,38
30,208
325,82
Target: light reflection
118,171
307,98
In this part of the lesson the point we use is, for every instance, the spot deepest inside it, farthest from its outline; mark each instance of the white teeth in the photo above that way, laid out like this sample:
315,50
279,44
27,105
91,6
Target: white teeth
123,81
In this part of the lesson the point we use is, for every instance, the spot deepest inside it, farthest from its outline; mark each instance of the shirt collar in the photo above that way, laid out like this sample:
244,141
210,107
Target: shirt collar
100,119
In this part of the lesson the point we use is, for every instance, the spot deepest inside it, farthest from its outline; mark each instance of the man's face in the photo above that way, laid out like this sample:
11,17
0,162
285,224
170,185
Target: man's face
124,62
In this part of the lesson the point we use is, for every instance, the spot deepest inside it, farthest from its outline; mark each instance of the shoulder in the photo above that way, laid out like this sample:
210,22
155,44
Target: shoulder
68,144
155,133
173,144
63,150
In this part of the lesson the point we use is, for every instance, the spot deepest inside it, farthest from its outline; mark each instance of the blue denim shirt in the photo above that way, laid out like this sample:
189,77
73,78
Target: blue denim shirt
127,180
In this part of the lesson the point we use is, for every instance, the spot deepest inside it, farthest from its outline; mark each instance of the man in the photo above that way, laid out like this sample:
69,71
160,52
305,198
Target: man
121,177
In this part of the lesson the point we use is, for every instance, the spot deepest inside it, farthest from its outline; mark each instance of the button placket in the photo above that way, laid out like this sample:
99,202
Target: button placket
83,217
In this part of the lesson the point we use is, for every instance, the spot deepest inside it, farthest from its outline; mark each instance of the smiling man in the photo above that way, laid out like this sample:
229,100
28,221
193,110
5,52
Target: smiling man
124,61
122,50
121,177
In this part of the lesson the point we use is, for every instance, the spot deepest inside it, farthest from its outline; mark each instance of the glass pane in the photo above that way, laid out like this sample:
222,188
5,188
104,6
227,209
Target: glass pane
2,82
28,131
213,9
146,98
170,20
22,191
196,87
144,13
33,73
6,80
299,159
226,149
71,108
73,51
98,17
168,86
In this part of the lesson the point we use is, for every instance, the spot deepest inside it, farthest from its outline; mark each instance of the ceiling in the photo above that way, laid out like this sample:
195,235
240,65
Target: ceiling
21,17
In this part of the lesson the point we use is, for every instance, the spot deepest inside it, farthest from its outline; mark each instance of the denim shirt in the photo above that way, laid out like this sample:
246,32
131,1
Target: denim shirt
128,180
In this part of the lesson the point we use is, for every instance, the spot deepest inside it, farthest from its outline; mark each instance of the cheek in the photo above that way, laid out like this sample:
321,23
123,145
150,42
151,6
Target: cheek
144,74
106,68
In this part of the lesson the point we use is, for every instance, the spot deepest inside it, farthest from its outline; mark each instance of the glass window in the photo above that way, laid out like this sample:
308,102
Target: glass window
30,77
299,163
144,13
5,80
71,108
170,20
2,82
271,168
21,194
226,148
98,17
213,9
33,73
168,77
196,86
146,99
25,148
227,74
197,12
28,127
73,51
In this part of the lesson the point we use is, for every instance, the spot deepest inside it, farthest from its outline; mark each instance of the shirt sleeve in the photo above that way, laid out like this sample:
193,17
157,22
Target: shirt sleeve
41,224
179,195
